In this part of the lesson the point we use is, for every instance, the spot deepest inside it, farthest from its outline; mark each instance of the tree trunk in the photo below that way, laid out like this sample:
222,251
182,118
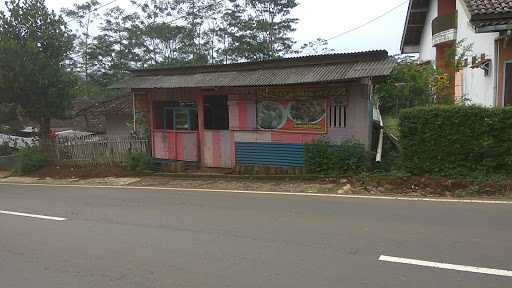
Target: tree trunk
44,134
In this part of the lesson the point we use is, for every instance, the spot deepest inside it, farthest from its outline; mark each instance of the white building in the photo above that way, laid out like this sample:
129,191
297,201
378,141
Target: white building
434,26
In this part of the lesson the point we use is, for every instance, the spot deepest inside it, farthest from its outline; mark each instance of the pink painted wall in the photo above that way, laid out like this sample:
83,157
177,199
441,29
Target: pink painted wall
162,145
242,120
217,149
242,113
357,125
176,145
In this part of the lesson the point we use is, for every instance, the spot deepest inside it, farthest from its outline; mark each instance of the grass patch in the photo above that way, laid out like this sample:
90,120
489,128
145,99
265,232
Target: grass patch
391,125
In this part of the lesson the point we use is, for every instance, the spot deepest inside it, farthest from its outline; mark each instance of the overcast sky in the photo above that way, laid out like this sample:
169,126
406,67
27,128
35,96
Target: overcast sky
328,18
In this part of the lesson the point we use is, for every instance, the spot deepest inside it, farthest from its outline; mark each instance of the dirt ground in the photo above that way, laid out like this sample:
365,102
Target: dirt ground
435,187
67,172
362,184
294,186
4,174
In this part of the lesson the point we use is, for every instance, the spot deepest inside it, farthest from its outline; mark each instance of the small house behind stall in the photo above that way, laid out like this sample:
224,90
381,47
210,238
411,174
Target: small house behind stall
112,117
257,113
434,28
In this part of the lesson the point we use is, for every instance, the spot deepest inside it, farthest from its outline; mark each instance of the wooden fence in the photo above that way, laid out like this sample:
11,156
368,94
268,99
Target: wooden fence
95,150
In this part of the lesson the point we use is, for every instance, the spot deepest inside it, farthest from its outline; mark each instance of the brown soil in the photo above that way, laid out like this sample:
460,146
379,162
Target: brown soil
67,172
427,186
225,183
369,184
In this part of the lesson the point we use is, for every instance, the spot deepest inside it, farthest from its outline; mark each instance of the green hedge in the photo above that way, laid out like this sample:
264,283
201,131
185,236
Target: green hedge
323,158
456,140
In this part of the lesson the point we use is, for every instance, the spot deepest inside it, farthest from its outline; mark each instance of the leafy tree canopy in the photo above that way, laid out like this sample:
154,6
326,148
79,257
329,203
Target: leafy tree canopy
35,45
410,84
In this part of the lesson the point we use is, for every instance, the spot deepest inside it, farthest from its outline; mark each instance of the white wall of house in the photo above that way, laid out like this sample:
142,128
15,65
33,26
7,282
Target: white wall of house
427,51
476,87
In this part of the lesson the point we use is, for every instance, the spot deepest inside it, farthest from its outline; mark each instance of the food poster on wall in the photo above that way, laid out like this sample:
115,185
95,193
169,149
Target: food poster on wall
299,116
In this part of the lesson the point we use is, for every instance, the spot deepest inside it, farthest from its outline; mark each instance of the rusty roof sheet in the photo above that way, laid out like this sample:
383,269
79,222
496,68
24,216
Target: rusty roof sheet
120,105
341,68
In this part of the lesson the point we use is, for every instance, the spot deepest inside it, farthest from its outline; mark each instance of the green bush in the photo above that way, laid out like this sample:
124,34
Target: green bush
322,158
139,162
6,150
456,140
29,160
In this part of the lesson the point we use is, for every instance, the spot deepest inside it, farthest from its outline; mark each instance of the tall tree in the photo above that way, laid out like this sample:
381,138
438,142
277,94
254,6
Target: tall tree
84,15
199,16
259,29
35,45
117,46
273,24
235,33
318,46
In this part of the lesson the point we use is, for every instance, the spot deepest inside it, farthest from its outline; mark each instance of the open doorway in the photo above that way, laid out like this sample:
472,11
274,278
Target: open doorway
216,142
216,113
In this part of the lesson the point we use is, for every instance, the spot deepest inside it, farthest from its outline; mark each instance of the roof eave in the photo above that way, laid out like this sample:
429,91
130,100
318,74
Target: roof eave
495,16
493,28
402,44
326,59
411,48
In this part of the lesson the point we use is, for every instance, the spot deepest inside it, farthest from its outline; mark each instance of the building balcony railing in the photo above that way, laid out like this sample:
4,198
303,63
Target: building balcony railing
444,28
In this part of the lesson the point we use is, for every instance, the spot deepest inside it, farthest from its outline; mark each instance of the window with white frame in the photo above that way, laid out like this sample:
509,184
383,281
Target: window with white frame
338,111
337,116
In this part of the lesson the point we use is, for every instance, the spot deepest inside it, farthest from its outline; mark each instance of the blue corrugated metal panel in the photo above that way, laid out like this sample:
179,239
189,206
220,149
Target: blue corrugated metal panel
268,154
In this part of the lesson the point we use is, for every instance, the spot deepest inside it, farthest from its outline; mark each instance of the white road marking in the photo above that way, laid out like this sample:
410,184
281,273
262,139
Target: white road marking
438,265
33,215
264,192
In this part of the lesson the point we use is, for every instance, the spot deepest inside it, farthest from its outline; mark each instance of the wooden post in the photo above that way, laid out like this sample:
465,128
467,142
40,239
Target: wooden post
234,104
200,124
151,123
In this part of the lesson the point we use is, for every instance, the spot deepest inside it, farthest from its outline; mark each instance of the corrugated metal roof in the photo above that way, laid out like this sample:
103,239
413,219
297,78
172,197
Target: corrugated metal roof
307,73
120,105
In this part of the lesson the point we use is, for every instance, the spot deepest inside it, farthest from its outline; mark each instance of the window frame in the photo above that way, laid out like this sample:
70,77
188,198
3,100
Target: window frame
505,63
191,112
337,110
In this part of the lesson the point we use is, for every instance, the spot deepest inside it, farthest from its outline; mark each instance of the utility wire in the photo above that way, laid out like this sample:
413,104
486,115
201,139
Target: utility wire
369,22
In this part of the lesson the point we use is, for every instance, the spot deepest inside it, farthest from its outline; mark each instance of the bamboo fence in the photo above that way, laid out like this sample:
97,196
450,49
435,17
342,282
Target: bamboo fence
95,150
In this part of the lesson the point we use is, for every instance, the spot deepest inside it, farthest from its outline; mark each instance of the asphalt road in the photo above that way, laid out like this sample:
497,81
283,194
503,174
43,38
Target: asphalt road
115,237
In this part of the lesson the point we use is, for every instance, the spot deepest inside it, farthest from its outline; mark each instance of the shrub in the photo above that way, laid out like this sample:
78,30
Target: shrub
6,149
322,158
410,84
456,140
29,160
139,162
